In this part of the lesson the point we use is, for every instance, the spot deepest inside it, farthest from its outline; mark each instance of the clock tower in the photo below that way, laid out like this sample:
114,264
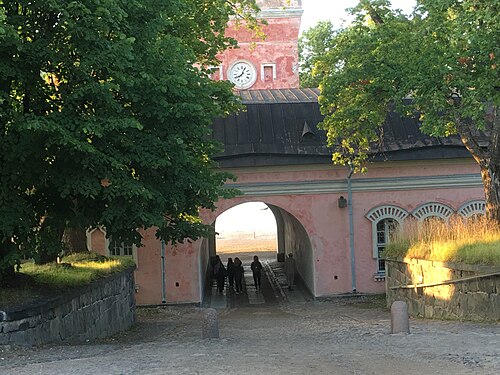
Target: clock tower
271,63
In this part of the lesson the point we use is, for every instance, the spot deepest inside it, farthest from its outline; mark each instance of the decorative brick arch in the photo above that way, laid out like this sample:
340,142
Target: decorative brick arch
432,209
386,212
476,207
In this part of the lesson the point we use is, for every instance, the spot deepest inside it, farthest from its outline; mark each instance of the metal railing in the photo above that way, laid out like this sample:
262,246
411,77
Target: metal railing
446,282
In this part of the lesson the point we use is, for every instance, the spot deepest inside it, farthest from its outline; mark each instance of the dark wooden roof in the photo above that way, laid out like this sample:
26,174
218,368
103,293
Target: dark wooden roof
279,127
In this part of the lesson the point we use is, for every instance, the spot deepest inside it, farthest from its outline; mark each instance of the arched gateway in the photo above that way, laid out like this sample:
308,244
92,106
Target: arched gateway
292,229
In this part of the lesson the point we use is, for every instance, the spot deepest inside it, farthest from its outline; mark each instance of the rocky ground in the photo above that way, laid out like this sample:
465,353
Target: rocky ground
295,336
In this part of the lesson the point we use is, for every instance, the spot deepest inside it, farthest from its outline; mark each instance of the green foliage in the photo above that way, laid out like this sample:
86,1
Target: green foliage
313,44
441,63
105,109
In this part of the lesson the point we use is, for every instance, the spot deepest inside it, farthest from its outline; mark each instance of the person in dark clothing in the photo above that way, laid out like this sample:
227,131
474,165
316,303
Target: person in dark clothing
230,272
219,273
238,275
256,268
290,266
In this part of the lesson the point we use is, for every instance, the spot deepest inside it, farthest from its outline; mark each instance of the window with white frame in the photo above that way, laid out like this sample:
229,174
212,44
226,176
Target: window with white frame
216,72
268,72
385,220
385,229
120,249
107,246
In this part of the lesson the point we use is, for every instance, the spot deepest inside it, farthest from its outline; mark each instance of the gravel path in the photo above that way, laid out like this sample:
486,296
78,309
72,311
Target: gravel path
333,337
288,334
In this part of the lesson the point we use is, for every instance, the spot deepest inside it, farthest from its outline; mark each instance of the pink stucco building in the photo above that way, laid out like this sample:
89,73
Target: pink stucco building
270,63
335,224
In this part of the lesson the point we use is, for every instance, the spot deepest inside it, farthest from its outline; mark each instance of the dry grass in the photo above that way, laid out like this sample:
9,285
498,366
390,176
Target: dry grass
468,241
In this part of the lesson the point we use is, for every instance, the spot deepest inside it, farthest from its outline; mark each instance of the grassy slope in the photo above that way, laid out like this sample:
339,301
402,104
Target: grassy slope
76,270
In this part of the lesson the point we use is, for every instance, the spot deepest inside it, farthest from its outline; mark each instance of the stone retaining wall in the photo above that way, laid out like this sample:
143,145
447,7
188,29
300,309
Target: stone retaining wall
477,299
101,309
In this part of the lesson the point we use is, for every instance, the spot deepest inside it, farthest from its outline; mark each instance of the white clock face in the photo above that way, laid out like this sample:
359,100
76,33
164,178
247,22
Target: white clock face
242,74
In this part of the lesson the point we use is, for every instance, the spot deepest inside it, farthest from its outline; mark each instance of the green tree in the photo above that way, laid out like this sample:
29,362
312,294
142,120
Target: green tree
444,58
313,44
105,107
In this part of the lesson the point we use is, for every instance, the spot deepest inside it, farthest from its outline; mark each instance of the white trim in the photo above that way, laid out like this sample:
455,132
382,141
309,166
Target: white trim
432,209
476,207
221,70
387,211
88,234
262,66
361,184
380,213
280,13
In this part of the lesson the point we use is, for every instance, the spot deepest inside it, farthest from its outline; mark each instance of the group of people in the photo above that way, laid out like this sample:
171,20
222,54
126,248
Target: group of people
234,272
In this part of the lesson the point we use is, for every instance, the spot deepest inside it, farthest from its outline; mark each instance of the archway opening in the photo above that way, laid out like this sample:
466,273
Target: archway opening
265,230
246,229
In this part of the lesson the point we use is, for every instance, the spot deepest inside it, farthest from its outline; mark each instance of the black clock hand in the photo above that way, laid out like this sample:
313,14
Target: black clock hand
243,72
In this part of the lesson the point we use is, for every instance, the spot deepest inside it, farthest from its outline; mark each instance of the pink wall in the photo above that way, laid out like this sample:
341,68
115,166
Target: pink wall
148,272
324,222
98,242
279,47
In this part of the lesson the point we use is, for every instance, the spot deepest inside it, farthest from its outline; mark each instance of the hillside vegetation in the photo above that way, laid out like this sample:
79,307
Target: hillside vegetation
473,241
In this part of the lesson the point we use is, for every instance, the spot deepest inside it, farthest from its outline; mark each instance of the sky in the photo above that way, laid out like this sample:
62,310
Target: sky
246,217
251,217
334,10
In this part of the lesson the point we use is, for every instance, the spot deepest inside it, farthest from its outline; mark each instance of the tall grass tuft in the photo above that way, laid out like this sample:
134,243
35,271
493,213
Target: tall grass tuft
472,241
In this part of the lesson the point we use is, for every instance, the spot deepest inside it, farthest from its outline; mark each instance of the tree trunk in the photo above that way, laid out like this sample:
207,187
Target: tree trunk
6,267
75,240
491,171
491,182
487,158
6,275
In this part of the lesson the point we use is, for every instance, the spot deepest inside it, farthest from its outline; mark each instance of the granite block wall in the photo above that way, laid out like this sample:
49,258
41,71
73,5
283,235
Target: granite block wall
472,296
102,309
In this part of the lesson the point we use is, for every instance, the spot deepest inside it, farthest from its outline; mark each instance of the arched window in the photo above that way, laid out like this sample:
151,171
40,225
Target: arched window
472,208
432,209
385,219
